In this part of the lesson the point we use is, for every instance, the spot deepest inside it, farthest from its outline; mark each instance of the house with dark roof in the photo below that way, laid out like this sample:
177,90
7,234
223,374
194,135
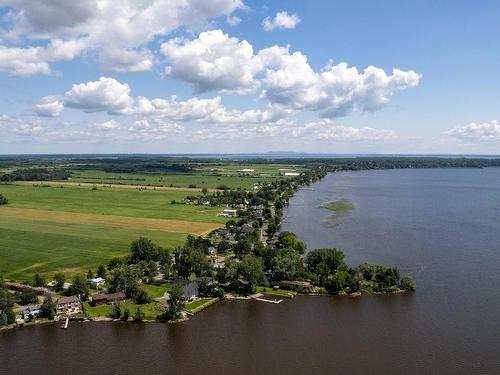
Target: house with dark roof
104,298
189,289
69,305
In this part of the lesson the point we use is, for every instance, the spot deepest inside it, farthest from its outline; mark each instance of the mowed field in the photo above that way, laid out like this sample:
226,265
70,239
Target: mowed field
219,176
72,229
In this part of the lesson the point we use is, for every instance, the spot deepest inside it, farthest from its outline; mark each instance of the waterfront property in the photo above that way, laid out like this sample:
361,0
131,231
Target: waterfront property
69,305
106,298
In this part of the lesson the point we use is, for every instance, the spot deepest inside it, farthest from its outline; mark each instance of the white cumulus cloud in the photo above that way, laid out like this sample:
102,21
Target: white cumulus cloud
477,133
213,61
118,35
106,94
49,106
282,20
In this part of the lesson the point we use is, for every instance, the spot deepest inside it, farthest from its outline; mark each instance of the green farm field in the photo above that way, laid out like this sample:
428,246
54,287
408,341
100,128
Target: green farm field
202,179
71,229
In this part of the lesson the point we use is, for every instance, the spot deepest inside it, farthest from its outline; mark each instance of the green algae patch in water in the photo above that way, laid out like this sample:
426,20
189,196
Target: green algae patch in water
340,209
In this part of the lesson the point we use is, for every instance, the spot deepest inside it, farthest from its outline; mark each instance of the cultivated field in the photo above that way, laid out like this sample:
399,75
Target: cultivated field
209,175
71,229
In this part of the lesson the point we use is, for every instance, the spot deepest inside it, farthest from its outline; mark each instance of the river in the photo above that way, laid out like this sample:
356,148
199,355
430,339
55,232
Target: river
440,226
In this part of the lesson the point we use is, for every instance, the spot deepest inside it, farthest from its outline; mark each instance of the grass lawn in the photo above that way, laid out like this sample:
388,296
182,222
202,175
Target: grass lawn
157,290
198,304
279,292
150,310
105,201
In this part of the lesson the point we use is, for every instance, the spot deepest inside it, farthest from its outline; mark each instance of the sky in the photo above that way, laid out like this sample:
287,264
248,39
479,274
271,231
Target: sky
238,76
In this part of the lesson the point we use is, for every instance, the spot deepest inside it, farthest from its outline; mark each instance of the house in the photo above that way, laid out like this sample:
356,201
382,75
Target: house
115,297
96,283
240,284
33,311
228,213
104,298
189,289
298,286
69,305
246,229
98,299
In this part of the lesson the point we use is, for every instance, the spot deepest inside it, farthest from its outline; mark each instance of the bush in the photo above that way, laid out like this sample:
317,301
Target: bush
139,315
3,200
116,311
125,314
192,186
28,296
408,284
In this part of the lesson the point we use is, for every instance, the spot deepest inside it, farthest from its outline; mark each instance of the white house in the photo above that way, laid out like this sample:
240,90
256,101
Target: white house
96,283
228,213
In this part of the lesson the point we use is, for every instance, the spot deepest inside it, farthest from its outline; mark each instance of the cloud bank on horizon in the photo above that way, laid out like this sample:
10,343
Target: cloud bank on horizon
223,87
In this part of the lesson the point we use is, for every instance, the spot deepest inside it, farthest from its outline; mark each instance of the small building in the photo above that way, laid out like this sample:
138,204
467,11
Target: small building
69,305
292,174
211,250
247,170
228,213
96,283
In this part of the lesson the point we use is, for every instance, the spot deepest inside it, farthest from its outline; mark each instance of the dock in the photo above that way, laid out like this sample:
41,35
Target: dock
275,301
66,323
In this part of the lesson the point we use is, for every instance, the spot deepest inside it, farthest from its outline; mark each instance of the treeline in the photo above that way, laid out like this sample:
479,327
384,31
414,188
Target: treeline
367,163
35,174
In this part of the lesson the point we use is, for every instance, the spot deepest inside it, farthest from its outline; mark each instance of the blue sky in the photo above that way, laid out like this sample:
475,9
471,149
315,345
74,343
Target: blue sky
249,76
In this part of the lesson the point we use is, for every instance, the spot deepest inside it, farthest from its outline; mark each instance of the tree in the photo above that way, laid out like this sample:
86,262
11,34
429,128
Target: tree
124,279
59,279
90,275
3,319
143,249
243,247
48,308
324,262
289,239
204,190
286,264
251,269
116,311
190,260
125,314
28,296
79,287
408,284
139,315
38,280
142,297
3,200
223,246
114,263
175,303
11,315
101,271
